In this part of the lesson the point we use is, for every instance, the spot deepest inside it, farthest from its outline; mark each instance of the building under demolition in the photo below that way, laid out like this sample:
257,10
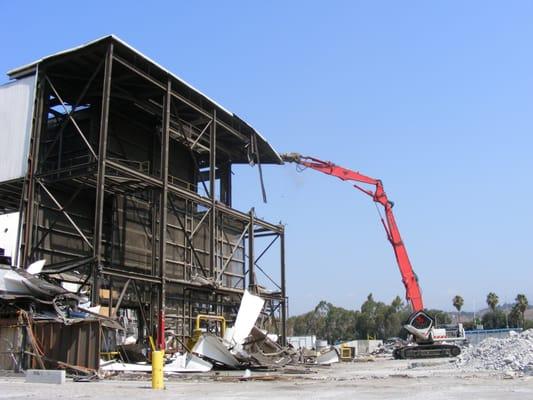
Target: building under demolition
122,174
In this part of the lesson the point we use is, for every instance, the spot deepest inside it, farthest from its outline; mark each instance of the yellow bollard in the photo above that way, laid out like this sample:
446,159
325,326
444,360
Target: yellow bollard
157,369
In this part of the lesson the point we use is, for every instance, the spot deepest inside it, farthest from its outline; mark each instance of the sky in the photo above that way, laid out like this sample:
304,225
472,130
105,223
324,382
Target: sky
434,98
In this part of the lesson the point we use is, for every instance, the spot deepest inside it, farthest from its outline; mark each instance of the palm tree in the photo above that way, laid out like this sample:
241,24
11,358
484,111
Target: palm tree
492,301
515,316
458,302
521,304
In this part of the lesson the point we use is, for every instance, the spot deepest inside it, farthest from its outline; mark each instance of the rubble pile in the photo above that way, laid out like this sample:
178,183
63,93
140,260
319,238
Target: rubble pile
512,354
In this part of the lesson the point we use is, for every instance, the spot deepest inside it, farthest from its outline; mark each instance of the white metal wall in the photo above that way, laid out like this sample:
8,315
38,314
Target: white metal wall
8,233
16,111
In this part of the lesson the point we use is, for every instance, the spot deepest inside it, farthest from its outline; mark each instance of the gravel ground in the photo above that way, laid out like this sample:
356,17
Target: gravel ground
381,379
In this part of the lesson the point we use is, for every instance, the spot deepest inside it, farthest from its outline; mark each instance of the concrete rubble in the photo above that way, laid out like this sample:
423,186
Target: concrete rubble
508,355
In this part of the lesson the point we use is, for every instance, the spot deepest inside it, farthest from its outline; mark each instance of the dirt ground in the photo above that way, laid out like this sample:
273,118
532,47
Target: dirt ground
380,379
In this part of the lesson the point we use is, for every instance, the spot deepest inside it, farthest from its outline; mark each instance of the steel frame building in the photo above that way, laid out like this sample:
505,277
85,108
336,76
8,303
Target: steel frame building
128,192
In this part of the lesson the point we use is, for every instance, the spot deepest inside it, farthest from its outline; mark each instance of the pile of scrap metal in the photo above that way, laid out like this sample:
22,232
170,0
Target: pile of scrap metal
246,346
238,347
40,322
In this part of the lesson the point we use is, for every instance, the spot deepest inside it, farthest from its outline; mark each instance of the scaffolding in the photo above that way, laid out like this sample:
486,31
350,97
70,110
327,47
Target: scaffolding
128,193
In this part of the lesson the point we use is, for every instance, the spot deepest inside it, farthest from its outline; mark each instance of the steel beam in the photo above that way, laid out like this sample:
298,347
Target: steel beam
181,98
100,181
61,209
51,227
76,104
266,249
188,195
188,239
69,116
235,247
201,134
130,274
200,223
119,301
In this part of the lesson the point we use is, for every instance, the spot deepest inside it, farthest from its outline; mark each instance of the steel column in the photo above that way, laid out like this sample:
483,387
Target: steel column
100,182
283,289
212,194
163,206
251,256
27,213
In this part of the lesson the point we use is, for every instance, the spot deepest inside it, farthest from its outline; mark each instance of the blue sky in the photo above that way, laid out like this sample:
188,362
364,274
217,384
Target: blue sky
434,98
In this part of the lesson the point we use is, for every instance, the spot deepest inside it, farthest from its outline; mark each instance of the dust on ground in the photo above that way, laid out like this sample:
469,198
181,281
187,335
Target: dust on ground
379,379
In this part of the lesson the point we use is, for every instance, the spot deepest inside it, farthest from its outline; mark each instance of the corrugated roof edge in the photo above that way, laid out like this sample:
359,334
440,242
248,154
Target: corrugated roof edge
29,69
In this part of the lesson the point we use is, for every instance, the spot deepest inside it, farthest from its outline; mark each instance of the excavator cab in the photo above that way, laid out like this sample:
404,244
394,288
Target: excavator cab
420,325
420,320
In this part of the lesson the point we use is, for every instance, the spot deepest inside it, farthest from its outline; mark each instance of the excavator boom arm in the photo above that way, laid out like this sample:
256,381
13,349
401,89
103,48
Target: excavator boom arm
409,279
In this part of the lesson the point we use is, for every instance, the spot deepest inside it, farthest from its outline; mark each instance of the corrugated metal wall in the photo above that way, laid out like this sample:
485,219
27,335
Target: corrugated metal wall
11,339
474,337
77,344
16,111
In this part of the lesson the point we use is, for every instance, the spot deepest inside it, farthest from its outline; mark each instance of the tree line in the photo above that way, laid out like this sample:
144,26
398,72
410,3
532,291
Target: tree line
497,317
375,320
378,320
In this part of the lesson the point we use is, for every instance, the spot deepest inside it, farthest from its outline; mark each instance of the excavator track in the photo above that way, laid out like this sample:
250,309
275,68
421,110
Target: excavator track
426,351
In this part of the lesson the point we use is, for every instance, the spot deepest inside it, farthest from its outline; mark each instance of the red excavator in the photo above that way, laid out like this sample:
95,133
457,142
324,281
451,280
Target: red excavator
427,339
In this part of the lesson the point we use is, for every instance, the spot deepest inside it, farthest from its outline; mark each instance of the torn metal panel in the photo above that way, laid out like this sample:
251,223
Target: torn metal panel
249,311
188,363
117,366
265,352
19,283
211,347
133,353
329,357
36,267
180,363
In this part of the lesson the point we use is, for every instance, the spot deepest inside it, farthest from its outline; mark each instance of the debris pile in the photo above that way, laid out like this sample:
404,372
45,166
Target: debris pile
38,315
246,346
30,303
242,346
512,354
